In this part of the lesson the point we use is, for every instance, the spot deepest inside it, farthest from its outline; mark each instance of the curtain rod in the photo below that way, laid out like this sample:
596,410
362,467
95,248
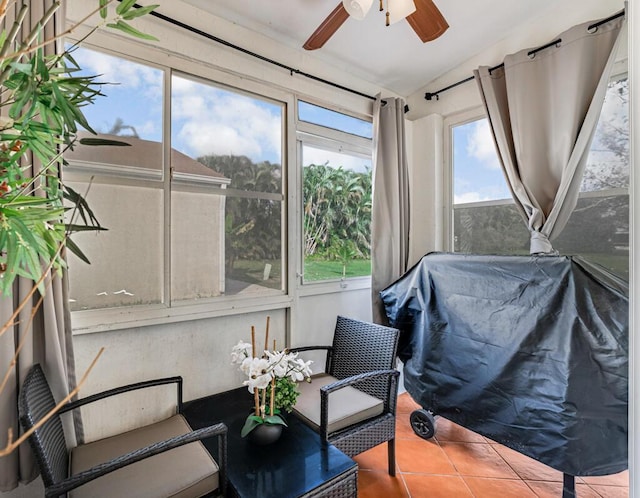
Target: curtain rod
594,26
291,70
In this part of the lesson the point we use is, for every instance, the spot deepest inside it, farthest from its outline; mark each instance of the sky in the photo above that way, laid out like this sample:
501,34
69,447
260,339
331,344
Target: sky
315,155
326,117
136,98
211,120
205,119
476,172
476,169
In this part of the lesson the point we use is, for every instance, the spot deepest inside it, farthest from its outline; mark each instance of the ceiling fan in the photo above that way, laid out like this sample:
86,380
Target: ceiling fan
423,16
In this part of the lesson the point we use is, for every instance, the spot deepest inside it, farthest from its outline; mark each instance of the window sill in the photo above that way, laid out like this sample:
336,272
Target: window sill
92,321
333,286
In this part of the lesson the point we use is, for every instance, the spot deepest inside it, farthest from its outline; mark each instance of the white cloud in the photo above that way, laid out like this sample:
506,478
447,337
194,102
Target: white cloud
148,128
212,121
481,145
127,74
205,119
470,197
313,155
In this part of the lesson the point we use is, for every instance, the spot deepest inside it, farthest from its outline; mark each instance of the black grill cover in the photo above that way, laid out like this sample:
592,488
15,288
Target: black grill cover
531,352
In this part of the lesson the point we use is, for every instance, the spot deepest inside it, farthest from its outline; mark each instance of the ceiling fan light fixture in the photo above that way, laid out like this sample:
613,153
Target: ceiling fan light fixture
357,8
397,10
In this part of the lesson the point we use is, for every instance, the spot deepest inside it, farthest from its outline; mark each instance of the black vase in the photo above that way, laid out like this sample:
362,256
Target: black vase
264,434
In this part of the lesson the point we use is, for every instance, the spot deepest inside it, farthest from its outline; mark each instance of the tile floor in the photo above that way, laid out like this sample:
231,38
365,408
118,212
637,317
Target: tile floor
458,463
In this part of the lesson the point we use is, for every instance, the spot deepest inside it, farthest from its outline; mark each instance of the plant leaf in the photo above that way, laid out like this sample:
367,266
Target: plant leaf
275,420
103,141
142,11
73,247
82,206
251,423
73,228
124,6
126,28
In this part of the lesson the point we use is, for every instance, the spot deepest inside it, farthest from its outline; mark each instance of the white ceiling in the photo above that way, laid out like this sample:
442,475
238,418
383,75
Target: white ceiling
391,57
394,57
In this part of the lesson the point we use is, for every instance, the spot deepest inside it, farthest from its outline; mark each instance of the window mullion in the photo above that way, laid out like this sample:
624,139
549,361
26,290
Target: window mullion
167,170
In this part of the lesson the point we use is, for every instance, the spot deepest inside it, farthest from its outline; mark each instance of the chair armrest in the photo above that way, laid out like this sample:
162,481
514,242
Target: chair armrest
123,389
85,476
309,348
329,349
390,402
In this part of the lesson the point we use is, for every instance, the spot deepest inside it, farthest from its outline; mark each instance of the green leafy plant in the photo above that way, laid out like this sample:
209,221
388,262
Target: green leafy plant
286,395
343,251
42,101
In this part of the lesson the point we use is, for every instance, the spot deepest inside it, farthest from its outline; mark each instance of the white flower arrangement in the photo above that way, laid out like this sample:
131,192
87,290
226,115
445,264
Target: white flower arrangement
272,379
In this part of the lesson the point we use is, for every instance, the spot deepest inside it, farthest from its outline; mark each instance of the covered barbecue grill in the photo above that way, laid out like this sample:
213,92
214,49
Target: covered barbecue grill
531,352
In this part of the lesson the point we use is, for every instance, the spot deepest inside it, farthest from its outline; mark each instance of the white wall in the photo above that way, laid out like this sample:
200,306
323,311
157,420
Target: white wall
198,350
534,33
426,187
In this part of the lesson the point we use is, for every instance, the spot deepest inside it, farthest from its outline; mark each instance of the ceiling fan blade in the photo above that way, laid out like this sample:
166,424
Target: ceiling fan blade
427,21
328,27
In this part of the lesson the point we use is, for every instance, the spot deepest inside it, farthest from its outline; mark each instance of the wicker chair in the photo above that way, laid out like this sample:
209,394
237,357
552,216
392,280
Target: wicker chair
135,463
360,375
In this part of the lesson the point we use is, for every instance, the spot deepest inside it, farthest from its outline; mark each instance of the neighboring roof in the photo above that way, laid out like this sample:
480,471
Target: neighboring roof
147,153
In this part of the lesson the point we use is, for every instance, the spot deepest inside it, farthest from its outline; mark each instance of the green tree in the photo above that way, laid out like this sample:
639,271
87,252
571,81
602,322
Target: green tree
608,165
337,207
252,226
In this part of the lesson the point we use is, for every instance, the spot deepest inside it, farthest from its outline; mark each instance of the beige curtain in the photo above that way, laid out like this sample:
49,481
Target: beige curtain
543,110
390,217
48,336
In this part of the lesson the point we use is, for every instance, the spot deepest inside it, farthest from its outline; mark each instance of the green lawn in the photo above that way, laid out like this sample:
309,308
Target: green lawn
314,270
323,269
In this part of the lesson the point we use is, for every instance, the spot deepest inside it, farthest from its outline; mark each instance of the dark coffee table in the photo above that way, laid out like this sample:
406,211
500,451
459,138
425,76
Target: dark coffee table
296,465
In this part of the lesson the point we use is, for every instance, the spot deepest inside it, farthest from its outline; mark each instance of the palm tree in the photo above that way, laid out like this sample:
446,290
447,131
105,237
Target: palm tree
337,206
252,225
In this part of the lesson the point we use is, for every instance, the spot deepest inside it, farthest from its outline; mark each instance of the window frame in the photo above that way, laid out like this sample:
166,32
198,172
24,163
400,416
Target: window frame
123,318
474,114
450,122
233,193
166,312
332,140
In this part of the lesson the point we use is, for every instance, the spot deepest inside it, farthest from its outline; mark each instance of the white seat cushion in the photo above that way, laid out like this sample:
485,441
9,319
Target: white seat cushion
186,471
347,406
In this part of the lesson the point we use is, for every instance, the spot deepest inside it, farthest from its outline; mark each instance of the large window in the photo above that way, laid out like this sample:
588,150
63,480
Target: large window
336,194
124,187
227,236
485,220
192,214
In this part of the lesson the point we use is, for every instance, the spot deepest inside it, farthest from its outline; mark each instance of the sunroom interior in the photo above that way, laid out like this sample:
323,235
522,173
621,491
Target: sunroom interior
214,210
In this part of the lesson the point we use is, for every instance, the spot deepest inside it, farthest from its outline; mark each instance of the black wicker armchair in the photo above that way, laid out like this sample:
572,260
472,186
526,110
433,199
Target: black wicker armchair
136,463
353,404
